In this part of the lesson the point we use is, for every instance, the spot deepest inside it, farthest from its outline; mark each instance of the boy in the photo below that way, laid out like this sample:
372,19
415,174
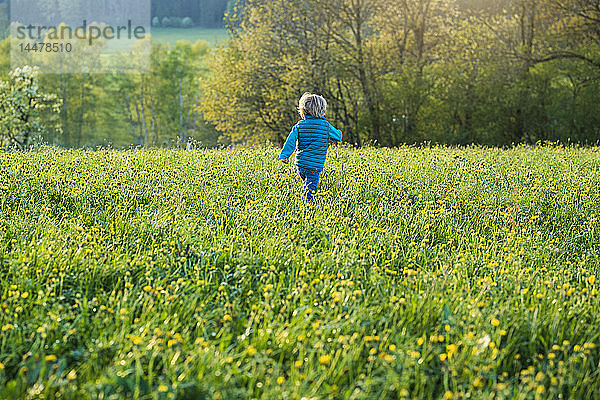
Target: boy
310,137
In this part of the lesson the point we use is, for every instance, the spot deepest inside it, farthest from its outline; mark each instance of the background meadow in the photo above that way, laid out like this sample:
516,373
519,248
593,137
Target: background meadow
419,272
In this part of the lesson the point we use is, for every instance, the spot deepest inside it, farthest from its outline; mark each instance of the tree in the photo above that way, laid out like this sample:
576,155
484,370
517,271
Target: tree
22,104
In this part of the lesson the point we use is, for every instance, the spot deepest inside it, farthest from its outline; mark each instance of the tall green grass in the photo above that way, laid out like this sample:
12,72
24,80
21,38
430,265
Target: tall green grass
417,273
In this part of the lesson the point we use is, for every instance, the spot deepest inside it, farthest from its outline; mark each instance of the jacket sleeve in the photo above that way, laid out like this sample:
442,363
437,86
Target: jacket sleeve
335,134
290,144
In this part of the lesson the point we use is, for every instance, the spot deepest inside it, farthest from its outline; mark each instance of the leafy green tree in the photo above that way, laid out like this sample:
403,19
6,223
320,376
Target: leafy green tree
352,52
22,104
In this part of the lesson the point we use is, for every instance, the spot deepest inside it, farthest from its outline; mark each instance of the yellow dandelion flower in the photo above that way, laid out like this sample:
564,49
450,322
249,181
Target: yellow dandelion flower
540,389
325,359
452,349
50,358
135,339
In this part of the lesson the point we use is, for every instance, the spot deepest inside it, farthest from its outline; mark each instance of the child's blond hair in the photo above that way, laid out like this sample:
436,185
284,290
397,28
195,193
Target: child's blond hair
313,105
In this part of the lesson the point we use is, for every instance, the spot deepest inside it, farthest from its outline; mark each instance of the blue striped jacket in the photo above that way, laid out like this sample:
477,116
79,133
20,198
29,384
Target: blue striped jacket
310,137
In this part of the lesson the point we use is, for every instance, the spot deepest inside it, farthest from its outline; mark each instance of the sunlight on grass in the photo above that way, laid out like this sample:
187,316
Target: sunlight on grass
418,272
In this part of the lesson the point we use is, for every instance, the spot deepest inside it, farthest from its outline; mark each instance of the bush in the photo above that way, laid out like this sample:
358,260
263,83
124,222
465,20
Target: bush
166,22
187,22
176,22
155,22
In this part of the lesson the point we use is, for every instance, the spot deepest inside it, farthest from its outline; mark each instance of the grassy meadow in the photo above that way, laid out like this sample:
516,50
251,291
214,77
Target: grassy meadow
417,273
173,35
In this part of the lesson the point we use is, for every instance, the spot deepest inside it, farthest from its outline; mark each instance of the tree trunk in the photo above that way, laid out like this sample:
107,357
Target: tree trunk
143,112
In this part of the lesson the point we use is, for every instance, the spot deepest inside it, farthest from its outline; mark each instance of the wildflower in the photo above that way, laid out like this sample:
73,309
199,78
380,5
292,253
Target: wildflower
325,359
135,339
540,389
280,380
163,388
7,327
539,376
448,396
452,349
591,279
72,375
251,350
495,322
50,358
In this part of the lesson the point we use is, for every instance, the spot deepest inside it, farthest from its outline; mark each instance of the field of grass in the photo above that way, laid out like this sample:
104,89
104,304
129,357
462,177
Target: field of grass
417,273
173,35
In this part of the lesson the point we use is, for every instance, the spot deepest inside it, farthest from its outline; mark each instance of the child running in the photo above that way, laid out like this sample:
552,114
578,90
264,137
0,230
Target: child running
310,137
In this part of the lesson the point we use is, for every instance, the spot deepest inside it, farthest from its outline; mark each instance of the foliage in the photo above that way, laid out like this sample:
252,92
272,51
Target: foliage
207,13
4,20
156,108
22,104
418,273
414,71
187,22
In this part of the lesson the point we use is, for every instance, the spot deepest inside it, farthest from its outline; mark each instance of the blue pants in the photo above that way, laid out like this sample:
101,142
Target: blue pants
310,179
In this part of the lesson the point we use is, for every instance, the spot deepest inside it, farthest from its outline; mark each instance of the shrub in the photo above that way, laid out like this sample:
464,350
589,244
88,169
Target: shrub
187,22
